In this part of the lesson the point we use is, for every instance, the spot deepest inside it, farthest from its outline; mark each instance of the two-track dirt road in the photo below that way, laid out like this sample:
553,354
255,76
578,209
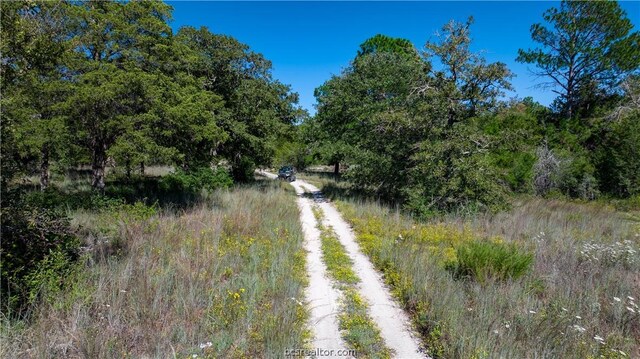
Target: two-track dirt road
322,295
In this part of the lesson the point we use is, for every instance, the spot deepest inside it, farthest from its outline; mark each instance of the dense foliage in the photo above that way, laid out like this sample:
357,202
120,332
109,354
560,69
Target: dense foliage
33,239
109,85
101,83
432,130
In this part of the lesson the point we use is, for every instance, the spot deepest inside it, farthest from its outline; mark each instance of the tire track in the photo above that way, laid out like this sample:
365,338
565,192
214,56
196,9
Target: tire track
394,323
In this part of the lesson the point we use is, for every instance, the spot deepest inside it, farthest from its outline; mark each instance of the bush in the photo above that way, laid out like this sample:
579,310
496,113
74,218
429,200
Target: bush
242,170
481,260
452,175
54,199
195,180
545,170
577,177
618,157
31,238
516,168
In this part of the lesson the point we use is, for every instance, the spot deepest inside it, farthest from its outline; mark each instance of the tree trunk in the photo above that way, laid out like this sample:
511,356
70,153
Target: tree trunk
336,169
97,167
142,168
44,168
127,168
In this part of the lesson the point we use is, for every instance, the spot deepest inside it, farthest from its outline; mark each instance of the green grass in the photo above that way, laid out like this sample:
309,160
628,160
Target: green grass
359,330
485,260
335,258
572,302
229,271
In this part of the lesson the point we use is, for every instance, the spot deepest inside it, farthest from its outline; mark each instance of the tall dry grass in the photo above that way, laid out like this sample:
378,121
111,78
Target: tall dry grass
579,300
221,279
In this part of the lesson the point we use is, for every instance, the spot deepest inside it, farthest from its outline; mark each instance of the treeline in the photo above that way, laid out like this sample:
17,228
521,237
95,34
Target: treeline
431,129
98,82
109,84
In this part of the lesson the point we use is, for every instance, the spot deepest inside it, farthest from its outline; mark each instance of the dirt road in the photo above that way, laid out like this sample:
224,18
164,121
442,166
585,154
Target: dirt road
323,298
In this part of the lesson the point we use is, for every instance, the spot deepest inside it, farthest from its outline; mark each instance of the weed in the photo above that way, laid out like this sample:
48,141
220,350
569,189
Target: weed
215,280
561,300
484,259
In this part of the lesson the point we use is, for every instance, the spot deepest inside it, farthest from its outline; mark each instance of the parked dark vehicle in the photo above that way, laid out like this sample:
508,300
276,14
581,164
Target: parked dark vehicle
287,173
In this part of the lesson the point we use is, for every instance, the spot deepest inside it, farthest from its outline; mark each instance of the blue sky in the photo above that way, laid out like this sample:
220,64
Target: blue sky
308,42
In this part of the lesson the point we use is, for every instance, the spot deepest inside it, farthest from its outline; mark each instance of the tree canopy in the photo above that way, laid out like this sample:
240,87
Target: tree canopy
94,81
588,46
433,131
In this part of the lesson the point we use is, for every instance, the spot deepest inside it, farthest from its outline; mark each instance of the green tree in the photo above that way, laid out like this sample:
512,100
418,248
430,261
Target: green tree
189,124
383,43
514,133
405,129
452,166
469,83
588,46
260,110
617,151
365,118
33,49
115,70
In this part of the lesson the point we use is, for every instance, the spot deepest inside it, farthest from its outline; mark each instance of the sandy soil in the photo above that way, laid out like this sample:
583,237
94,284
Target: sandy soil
321,294
393,322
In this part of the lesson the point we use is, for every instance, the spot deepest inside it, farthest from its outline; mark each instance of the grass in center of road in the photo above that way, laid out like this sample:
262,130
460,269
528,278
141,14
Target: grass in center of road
358,329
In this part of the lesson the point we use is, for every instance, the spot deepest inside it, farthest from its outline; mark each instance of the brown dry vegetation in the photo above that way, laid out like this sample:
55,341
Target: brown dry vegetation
578,300
219,279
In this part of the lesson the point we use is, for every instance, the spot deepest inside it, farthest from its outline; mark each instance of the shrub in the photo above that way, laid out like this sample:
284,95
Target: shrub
480,260
138,211
195,180
30,237
55,199
546,170
577,176
618,157
242,169
516,168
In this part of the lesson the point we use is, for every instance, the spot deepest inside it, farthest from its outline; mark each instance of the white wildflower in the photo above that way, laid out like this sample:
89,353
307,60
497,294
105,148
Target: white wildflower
631,309
564,309
616,299
532,312
598,338
578,317
205,345
631,298
495,332
507,325
297,301
578,328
